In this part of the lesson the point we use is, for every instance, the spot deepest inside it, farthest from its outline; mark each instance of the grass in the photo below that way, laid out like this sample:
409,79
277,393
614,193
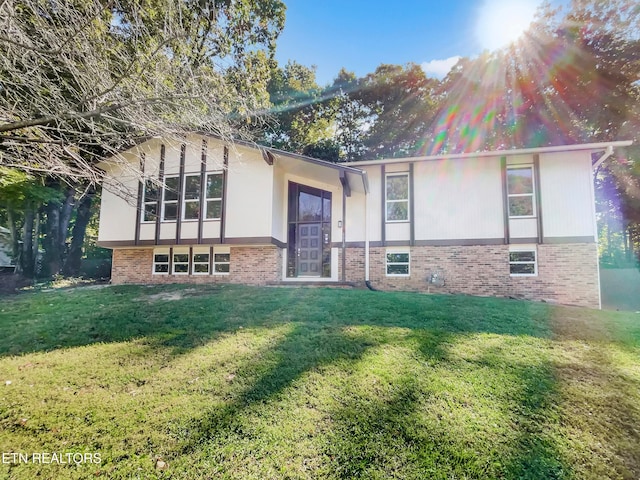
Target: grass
258,383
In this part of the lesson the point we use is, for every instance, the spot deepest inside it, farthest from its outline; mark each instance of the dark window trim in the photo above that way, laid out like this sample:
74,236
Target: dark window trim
223,212
203,179
505,199
536,179
160,192
183,149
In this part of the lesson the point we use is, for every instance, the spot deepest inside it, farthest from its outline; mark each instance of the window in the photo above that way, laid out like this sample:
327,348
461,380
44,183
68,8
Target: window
520,191
201,261
191,209
180,261
213,192
522,262
397,197
170,200
150,201
161,261
397,264
221,260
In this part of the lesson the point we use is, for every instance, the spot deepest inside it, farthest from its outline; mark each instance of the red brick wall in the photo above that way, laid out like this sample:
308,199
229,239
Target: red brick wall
567,273
249,265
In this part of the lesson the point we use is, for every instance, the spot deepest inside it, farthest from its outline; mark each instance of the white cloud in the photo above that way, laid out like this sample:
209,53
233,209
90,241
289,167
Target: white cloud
439,68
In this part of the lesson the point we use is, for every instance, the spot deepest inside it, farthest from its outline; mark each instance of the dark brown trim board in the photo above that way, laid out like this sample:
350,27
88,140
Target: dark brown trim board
383,210
223,210
412,216
160,192
183,151
505,199
140,209
239,241
190,260
203,189
586,239
515,241
536,181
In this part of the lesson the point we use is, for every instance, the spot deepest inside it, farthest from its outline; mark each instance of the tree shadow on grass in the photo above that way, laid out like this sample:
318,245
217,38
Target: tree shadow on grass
48,321
409,434
304,349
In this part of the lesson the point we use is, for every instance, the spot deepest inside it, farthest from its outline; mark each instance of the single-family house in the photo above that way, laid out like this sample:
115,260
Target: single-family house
503,223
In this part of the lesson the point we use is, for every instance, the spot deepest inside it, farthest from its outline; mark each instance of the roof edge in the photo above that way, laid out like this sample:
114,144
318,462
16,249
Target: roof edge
494,153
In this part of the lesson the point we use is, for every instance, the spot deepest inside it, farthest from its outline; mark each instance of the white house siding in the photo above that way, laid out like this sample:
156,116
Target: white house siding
567,195
249,195
279,206
458,199
356,221
118,207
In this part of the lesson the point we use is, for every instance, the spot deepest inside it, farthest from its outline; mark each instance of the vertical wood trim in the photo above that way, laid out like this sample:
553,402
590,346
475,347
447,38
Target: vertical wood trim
412,216
223,212
383,216
210,260
203,189
190,260
536,180
183,150
344,235
140,210
170,272
505,199
160,193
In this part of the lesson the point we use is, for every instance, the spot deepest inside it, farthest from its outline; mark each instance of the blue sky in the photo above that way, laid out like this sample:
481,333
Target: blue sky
361,34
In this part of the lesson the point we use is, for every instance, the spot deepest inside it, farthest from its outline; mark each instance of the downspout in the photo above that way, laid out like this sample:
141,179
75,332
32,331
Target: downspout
366,243
607,153
594,172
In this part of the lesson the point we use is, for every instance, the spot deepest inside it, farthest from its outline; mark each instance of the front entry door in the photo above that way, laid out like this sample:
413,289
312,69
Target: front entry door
309,247
308,232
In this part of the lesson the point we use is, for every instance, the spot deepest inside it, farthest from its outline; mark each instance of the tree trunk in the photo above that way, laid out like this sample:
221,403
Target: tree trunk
13,229
65,219
83,215
35,252
26,262
52,254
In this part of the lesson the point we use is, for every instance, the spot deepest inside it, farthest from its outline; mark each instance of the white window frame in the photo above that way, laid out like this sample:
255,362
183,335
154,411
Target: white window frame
524,248
201,251
180,251
221,251
161,251
532,194
184,199
210,199
387,201
407,263
172,202
145,203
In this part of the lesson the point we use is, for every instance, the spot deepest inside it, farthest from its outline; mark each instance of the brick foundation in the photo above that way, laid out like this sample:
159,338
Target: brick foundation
249,265
567,273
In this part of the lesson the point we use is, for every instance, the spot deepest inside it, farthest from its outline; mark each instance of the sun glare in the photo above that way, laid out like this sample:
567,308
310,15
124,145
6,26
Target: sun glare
501,22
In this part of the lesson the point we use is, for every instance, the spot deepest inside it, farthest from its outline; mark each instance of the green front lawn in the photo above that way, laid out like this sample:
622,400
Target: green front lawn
258,383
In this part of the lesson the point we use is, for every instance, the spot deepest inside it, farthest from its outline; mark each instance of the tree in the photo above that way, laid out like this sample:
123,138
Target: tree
83,79
401,100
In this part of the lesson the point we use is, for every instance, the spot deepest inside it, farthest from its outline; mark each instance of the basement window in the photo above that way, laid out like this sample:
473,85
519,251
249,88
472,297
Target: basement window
180,261
523,262
221,260
397,264
161,261
201,261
